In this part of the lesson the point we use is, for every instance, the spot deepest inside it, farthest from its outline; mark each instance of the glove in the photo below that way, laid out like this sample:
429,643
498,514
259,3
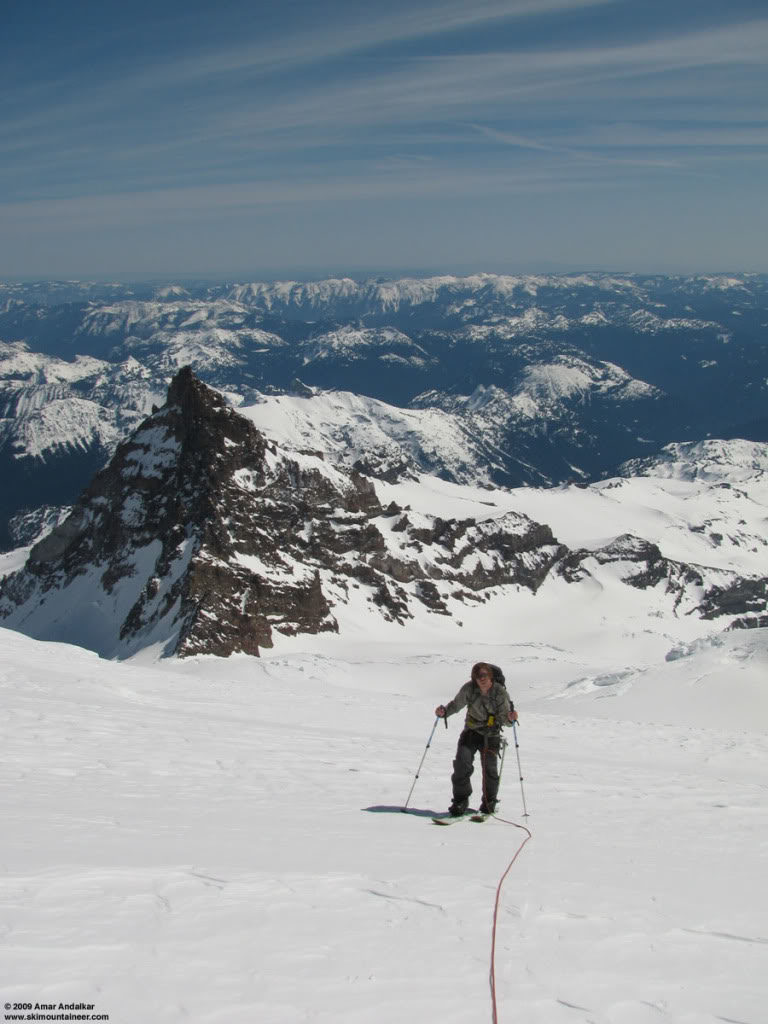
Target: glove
440,711
512,716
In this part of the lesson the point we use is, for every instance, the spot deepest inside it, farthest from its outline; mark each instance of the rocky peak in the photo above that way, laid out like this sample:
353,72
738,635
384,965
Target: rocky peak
202,536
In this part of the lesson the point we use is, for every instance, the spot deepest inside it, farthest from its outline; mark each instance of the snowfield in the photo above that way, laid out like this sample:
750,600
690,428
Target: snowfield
348,427
221,841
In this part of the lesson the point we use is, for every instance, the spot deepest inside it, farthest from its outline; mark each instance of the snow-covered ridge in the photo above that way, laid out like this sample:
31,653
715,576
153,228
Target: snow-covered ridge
546,397
713,461
351,429
703,504
141,319
351,343
51,423
647,322
398,293
397,290
50,405
418,291
392,295
547,384
17,361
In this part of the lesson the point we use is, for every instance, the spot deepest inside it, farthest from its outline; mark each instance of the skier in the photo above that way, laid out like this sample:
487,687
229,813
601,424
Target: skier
488,709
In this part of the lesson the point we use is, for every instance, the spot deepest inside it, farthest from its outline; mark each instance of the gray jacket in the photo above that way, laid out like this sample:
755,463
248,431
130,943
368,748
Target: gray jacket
485,712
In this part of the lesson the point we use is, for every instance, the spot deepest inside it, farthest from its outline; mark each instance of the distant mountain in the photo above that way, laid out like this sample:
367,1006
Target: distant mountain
204,535
718,462
540,379
382,441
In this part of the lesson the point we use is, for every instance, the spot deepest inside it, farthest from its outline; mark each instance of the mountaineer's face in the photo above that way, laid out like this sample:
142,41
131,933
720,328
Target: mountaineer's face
484,681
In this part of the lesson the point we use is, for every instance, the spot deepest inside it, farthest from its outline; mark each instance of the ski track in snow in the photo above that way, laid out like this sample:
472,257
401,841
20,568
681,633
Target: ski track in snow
222,841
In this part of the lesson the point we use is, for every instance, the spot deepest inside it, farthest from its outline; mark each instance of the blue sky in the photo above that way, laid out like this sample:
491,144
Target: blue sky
295,138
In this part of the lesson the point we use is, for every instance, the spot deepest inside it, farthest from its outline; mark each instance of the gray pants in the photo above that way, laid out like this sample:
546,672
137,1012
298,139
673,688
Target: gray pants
472,742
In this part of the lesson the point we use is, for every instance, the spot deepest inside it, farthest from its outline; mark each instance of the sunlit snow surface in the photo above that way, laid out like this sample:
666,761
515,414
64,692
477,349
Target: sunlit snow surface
220,841
348,427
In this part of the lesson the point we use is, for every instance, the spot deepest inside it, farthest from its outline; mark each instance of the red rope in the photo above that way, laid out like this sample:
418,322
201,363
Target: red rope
492,975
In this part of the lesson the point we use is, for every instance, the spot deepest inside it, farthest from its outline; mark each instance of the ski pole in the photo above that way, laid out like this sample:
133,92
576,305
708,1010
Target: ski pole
404,809
519,769
504,746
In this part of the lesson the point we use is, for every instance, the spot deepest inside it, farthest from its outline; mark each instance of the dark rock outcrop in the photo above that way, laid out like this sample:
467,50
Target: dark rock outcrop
745,598
693,589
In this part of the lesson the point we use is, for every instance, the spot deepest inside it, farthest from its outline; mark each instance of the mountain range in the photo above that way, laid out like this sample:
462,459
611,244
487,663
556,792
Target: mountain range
206,535
198,471
498,381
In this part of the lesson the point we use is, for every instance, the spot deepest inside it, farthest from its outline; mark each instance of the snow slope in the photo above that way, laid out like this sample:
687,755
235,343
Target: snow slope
347,427
705,503
221,841
711,515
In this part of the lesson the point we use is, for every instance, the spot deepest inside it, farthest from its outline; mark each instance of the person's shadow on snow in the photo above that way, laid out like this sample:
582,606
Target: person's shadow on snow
384,809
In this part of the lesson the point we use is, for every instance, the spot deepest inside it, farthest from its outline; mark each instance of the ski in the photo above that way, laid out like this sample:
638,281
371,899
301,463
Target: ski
448,819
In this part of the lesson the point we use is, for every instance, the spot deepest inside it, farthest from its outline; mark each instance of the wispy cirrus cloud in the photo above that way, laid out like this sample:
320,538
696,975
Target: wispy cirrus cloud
362,31
411,180
414,87
429,101
507,85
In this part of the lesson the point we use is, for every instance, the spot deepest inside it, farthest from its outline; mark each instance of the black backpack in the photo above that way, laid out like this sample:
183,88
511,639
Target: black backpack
498,675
